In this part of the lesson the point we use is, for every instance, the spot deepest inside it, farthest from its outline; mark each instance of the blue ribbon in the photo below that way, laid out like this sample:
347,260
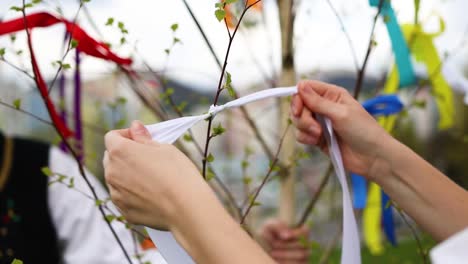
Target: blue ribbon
385,105
359,184
400,48
387,219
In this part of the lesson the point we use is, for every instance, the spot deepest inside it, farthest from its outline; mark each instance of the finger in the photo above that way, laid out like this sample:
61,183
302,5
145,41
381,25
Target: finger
105,159
316,101
116,139
307,123
300,232
290,255
286,245
139,133
306,138
296,105
275,228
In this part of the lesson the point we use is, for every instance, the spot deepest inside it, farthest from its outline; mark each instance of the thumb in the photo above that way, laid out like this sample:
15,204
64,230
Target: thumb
139,133
315,98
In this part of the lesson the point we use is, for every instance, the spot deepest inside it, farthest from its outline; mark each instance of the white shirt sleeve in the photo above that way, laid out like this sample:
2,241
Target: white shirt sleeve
454,250
82,232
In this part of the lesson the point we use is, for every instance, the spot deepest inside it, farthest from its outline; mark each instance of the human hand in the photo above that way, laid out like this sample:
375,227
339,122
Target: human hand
283,243
360,137
150,183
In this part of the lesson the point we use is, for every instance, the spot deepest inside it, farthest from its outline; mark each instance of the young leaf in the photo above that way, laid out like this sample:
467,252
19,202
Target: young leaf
2,52
110,21
210,158
47,171
188,138
219,130
247,180
17,261
220,14
74,43
17,103
110,218
174,27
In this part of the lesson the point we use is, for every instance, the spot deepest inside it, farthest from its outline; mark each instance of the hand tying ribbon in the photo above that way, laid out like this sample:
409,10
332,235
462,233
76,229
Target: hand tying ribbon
85,44
401,51
169,131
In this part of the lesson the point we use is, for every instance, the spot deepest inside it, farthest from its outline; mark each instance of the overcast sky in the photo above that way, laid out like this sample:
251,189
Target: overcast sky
319,41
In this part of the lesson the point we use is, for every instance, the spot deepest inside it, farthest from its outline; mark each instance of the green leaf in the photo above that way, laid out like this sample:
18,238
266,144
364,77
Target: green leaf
182,106
17,103
110,218
210,158
228,2
28,5
245,164
121,100
220,14
219,130
188,138
36,1
110,21
16,8
71,183
228,85
66,66
47,171
17,261
121,25
2,52
247,180
174,27
209,175
99,202
74,43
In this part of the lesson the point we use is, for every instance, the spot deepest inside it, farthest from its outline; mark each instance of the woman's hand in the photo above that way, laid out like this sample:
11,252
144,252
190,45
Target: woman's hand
359,135
283,243
149,182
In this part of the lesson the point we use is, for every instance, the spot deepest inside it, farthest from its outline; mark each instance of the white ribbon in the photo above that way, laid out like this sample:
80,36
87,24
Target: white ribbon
169,131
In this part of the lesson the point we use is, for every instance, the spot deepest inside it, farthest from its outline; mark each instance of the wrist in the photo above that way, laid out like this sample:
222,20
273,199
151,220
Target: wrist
382,167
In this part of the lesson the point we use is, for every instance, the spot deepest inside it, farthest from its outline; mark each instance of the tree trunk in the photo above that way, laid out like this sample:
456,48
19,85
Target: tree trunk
288,78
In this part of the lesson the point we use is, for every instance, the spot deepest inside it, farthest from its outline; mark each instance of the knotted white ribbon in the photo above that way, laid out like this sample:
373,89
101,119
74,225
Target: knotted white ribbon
169,131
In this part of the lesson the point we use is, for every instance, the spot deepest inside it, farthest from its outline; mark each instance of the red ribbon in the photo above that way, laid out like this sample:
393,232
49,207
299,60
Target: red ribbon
85,43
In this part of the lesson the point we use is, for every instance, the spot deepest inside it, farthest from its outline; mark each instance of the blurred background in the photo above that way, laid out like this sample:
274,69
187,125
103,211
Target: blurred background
177,63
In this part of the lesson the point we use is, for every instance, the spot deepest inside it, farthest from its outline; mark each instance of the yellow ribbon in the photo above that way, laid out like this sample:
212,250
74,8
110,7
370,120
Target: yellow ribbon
372,218
422,47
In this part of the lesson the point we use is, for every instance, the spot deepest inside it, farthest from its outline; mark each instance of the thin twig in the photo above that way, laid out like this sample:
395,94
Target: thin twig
266,178
69,48
362,70
416,237
346,33
316,196
220,88
17,68
68,146
244,111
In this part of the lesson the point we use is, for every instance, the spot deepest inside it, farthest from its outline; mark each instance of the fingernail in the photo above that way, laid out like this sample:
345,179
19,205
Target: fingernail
138,127
307,89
